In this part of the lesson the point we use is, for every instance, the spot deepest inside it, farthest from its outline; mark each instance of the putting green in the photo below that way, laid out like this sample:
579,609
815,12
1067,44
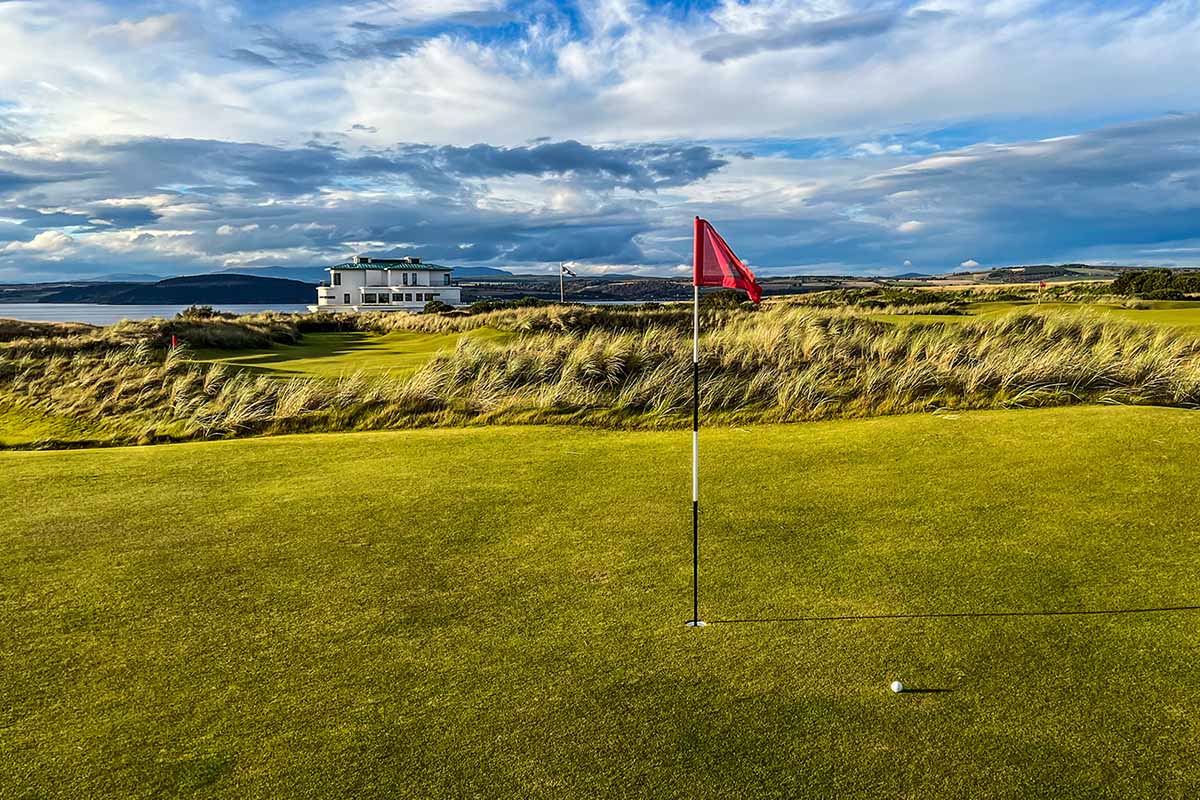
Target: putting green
497,612
331,355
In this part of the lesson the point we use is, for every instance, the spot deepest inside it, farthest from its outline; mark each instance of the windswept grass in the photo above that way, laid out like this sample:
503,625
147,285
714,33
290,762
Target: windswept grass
785,363
798,364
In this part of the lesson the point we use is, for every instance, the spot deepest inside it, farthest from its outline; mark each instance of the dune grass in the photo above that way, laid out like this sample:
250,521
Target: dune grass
782,364
497,613
337,353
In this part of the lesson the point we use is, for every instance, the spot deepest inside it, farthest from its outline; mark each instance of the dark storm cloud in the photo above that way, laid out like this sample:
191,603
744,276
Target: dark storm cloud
637,167
234,201
203,167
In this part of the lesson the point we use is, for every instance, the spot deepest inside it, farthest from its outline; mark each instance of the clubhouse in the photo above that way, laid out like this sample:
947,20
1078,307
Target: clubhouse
366,283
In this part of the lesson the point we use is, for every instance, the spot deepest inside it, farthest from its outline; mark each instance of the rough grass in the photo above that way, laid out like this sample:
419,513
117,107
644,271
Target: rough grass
497,613
781,364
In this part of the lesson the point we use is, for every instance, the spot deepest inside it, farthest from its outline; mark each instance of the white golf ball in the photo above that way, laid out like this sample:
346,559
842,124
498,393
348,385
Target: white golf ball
897,687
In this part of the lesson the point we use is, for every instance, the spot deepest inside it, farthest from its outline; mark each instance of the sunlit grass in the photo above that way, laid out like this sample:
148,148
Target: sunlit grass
335,354
497,612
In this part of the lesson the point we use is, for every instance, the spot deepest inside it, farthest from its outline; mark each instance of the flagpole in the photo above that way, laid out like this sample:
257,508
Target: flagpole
696,622
561,296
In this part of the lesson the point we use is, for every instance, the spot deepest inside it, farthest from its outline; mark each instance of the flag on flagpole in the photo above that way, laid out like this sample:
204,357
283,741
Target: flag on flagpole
713,264
717,265
563,269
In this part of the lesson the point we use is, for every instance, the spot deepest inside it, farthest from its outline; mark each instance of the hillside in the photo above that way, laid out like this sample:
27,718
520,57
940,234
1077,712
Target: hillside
217,288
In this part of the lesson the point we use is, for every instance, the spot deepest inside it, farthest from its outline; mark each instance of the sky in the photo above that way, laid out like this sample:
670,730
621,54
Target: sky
834,136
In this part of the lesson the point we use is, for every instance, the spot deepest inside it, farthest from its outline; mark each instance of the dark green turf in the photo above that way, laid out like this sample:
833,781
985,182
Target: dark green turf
498,612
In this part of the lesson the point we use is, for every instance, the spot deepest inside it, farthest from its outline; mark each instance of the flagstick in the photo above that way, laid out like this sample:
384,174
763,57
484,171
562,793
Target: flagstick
695,459
561,296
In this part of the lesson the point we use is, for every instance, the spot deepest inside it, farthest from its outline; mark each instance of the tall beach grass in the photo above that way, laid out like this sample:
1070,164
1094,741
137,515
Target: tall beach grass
615,367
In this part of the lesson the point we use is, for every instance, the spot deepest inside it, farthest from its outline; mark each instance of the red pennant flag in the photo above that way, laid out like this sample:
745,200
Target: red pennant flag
714,264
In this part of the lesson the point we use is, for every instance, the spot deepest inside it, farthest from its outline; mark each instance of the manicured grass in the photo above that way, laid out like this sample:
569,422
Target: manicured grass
21,425
498,612
1176,314
330,355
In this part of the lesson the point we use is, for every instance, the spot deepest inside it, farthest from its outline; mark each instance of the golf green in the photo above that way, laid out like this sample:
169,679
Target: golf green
331,355
498,612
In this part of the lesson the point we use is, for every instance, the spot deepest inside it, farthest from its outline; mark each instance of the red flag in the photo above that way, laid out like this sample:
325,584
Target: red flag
1041,284
714,264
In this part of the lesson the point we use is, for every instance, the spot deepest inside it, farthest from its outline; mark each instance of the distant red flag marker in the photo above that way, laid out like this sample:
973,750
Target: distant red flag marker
715,264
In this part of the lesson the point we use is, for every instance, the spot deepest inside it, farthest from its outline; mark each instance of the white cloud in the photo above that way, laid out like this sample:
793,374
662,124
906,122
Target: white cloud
143,31
49,244
912,226
625,71
970,263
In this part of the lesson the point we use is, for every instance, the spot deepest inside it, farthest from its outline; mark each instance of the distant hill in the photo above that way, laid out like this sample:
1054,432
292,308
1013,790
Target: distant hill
127,277
303,274
198,289
481,272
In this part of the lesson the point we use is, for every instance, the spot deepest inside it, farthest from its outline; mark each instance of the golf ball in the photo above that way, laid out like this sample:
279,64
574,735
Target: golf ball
897,687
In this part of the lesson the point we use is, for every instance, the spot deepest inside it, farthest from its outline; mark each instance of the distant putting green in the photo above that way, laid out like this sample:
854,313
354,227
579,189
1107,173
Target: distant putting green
497,612
331,355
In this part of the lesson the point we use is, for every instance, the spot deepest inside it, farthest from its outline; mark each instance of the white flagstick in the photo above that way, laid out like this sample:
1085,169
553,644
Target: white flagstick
695,461
561,296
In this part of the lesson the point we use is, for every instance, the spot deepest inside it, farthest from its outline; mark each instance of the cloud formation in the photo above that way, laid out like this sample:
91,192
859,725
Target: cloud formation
839,136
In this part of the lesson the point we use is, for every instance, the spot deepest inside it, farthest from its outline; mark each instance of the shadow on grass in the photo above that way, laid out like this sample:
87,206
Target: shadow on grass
961,615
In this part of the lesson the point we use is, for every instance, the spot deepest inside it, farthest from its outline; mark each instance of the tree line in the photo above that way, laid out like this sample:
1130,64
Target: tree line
1157,284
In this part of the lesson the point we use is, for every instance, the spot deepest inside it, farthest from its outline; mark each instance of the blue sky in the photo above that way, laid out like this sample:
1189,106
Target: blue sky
835,136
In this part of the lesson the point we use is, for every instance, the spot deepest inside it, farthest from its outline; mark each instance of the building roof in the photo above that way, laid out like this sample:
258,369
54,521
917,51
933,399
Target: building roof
391,263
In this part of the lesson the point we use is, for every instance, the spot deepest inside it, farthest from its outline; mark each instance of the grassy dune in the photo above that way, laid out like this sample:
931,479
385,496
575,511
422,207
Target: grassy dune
497,612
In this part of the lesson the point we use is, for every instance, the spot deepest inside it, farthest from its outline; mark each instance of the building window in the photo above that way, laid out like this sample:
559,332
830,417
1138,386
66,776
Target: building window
337,279
431,297
406,279
408,297
397,298
445,279
414,279
346,299
368,298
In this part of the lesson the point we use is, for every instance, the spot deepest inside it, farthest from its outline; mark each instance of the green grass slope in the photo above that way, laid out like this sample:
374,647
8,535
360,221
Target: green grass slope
330,355
21,425
498,613
1167,313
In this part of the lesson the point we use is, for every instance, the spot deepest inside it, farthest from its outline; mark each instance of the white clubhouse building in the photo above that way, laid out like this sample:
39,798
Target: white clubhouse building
366,283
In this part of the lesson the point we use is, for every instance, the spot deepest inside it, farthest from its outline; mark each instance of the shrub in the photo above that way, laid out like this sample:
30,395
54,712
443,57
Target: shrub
201,312
437,307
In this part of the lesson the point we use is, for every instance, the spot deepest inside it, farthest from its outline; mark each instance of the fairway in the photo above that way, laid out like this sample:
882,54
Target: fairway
1167,313
331,355
497,612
